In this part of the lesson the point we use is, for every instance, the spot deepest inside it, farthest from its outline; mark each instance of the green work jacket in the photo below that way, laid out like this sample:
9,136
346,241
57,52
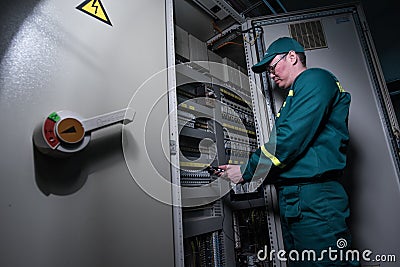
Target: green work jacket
310,136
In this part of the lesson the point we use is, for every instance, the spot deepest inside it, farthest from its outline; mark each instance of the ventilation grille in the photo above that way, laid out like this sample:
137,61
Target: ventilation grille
310,34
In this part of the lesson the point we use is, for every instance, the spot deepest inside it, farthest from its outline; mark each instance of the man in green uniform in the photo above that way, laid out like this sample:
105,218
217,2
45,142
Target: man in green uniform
304,157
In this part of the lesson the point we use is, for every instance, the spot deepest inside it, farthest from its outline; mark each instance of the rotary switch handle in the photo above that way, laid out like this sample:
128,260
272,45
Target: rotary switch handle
67,132
125,116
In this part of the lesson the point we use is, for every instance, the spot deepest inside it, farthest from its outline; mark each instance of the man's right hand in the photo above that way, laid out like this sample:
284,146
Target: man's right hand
231,173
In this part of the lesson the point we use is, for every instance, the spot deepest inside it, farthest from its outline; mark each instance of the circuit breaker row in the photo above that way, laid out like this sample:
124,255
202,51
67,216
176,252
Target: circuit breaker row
197,133
250,236
236,113
195,178
204,250
240,134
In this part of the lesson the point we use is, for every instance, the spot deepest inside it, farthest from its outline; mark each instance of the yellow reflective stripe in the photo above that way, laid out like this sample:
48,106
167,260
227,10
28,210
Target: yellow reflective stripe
274,159
291,93
284,104
278,115
340,87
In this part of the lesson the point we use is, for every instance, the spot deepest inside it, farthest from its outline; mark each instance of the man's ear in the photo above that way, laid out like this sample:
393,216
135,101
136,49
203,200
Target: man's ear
292,57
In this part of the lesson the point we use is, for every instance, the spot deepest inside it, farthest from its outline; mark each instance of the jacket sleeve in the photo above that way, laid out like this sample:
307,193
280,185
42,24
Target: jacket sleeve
296,128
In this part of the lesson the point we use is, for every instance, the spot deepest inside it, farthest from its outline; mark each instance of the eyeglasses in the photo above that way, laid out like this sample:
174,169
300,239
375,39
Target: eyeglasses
271,69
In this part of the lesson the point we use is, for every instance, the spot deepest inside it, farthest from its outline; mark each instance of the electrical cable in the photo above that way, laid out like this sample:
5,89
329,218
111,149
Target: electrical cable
215,27
254,40
228,43
258,35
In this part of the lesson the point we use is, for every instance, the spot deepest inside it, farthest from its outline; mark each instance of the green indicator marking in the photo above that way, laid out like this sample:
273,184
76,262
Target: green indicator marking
54,116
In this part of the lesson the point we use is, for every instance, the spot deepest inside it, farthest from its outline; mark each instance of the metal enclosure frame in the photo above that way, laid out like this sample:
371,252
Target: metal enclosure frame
173,132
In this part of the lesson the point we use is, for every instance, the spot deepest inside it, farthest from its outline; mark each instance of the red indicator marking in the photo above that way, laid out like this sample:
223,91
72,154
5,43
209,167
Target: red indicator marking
49,133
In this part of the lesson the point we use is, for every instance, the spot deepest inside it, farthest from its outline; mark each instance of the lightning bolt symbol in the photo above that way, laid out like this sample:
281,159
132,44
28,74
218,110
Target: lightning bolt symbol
95,5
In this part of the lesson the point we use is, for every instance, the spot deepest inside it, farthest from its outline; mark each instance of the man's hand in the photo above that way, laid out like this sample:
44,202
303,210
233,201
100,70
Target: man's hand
231,173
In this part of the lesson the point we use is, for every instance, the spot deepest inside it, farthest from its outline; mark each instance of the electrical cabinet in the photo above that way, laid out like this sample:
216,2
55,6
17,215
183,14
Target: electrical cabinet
141,194
215,126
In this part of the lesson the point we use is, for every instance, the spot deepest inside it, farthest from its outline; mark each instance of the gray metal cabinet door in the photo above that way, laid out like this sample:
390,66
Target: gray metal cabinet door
85,210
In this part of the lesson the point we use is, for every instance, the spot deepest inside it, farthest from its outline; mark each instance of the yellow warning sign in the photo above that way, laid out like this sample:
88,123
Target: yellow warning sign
95,9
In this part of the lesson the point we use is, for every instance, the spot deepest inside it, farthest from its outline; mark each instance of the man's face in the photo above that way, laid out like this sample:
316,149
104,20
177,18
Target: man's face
280,71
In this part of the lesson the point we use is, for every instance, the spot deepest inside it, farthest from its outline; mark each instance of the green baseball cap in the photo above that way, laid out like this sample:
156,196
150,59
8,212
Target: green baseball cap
279,46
